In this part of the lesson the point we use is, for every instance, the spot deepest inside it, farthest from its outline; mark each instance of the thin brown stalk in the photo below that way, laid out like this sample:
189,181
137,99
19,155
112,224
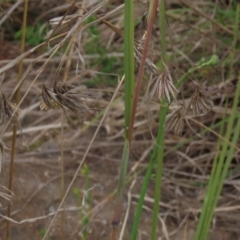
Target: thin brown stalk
62,177
20,71
66,73
67,67
141,68
114,232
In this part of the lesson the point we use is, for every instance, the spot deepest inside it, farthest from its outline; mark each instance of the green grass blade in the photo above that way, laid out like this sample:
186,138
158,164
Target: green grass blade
162,115
129,90
159,170
121,183
147,177
220,168
222,165
142,195
128,59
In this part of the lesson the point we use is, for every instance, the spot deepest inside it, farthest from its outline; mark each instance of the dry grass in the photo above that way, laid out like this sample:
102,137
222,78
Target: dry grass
189,156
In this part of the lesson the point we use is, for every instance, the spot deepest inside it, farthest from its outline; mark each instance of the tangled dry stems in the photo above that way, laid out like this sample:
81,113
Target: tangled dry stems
200,104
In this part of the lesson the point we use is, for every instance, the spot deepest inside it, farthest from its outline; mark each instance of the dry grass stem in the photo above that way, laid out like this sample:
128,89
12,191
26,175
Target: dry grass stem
31,220
1,156
5,197
129,196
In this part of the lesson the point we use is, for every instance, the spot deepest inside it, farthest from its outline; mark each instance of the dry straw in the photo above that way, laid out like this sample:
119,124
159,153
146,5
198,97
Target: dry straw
5,195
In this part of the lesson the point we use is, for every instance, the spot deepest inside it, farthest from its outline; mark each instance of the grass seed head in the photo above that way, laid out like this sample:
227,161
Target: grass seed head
70,95
149,66
48,99
201,102
73,96
163,86
7,111
175,121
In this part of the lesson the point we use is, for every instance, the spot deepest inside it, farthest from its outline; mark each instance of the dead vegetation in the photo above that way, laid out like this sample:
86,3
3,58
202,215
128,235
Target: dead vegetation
65,75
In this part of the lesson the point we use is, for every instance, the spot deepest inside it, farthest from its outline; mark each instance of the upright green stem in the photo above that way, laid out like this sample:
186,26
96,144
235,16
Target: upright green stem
129,91
142,195
219,172
121,183
130,109
162,115
222,160
128,60
159,170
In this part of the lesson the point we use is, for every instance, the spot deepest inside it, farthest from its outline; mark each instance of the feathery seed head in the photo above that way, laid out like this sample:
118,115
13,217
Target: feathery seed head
69,94
201,102
175,121
7,111
163,86
48,99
